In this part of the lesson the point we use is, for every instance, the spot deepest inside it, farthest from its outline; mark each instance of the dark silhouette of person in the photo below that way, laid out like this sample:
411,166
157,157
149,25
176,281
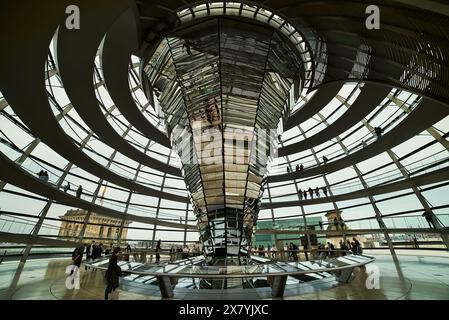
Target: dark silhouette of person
158,251
324,191
306,247
429,218
112,274
79,192
378,131
77,256
317,192
90,252
67,187
311,193
297,167
320,223
300,194
301,167
305,195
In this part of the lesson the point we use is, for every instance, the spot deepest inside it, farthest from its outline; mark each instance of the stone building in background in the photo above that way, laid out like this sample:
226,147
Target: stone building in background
99,227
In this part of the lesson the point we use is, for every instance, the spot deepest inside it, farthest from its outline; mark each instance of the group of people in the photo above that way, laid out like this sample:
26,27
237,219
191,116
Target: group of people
300,167
185,252
290,251
353,246
94,251
43,175
311,192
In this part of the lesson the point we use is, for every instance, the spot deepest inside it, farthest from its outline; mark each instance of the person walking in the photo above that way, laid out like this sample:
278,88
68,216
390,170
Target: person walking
112,274
158,251
77,256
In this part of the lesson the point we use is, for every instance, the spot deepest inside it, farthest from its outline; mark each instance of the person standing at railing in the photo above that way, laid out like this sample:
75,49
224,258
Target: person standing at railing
41,175
67,187
79,192
45,176
158,251
324,191
429,216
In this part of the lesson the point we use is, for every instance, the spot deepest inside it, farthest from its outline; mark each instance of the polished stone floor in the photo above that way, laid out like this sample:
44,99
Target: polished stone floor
416,275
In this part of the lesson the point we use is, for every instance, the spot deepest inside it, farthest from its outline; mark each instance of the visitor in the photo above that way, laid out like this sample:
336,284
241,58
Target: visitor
317,192
349,245
306,248
311,193
45,176
98,251
320,223
273,252
79,192
90,252
325,159
288,169
67,187
305,194
324,191
294,251
300,194
297,168
172,252
158,251
415,242
77,256
429,216
301,167
286,251
378,131
112,274
357,248
40,175
330,249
